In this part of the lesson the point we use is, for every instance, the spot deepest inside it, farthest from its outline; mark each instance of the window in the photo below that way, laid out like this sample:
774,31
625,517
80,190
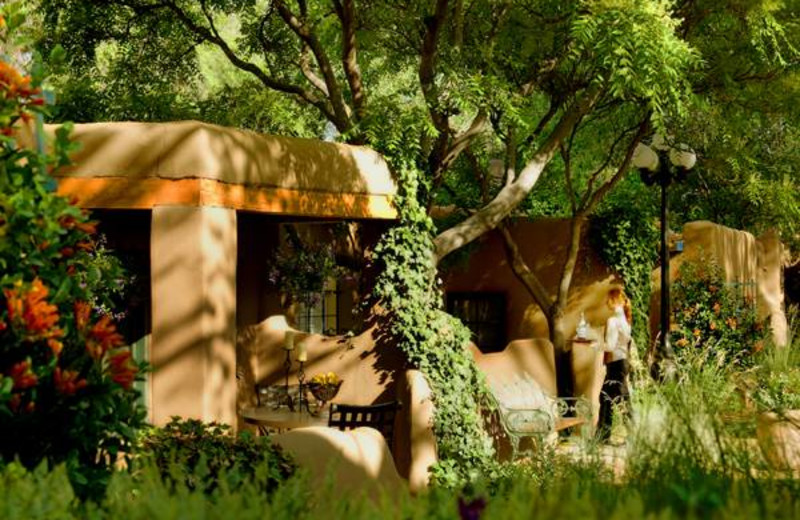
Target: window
318,312
484,314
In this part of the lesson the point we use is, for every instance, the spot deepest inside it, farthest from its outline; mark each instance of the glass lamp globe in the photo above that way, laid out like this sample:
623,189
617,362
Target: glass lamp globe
645,157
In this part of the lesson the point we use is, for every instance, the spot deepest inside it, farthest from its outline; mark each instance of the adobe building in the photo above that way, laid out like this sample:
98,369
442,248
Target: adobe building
197,210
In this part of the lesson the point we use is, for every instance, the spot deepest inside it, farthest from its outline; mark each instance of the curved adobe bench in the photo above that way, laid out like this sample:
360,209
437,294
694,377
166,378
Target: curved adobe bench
359,461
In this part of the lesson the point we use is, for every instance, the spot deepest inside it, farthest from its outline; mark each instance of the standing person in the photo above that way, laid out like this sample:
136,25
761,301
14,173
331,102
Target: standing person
616,351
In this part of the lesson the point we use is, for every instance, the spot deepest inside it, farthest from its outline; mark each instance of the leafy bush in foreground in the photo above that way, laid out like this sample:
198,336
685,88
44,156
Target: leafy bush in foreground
206,456
66,375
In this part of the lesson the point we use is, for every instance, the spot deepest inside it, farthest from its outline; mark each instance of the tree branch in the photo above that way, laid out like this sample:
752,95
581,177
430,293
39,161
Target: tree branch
427,65
460,142
598,195
512,194
306,34
346,12
521,270
208,36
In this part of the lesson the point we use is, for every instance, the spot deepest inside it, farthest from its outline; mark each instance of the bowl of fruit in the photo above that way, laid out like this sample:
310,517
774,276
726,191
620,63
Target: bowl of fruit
324,387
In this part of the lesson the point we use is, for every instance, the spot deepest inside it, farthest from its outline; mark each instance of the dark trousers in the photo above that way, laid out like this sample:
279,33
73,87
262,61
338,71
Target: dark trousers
614,393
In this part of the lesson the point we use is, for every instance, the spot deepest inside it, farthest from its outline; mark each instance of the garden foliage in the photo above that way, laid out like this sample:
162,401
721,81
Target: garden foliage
206,456
435,342
716,317
66,375
626,238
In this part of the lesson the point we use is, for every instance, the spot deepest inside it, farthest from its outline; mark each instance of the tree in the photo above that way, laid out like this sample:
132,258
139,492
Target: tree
445,87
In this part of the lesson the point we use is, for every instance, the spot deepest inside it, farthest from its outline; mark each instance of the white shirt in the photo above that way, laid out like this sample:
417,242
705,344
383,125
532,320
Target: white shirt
618,335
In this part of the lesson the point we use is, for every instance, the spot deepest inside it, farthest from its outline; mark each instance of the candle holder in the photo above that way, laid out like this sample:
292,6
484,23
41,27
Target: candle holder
286,398
302,399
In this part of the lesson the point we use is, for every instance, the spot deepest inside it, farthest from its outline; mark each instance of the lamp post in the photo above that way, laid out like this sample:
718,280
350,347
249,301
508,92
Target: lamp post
661,163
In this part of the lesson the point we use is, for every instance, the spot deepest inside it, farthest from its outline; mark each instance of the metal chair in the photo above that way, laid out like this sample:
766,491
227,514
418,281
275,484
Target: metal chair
379,416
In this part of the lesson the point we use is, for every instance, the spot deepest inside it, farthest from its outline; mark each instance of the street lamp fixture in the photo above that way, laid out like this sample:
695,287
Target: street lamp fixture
662,163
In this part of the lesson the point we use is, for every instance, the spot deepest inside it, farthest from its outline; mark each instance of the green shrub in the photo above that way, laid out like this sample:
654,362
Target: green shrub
65,374
714,317
203,456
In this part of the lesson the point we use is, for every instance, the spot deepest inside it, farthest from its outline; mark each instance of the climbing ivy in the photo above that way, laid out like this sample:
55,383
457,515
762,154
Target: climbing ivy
408,292
626,238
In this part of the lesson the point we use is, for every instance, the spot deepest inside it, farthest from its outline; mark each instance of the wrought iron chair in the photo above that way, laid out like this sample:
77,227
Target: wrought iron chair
379,416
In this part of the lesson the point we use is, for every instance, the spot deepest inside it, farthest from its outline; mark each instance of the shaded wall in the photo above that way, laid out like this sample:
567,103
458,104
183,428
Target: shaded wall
543,244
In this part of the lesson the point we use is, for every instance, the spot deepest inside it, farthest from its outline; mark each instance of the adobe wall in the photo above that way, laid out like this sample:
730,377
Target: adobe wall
543,244
743,258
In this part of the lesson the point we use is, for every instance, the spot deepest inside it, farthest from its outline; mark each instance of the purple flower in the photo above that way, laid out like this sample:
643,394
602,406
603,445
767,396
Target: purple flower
471,510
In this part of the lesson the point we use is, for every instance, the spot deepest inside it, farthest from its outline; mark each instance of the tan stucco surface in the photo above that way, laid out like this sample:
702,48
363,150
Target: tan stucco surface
419,436
193,287
543,243
356,462
142,165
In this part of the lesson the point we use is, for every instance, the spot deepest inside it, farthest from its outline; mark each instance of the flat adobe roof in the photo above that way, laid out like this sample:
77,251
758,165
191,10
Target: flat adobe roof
129,165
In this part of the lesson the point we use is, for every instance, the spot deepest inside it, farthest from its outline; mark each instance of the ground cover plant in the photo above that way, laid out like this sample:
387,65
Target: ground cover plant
204,456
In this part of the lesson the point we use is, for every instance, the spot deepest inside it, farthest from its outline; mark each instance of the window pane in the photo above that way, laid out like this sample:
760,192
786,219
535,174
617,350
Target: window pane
483,314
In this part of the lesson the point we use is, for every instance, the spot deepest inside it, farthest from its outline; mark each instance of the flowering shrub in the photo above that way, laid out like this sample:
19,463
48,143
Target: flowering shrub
66,374
709,314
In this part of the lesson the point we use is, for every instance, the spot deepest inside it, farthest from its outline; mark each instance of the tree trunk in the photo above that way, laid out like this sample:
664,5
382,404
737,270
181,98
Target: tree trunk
513,193
562,356
553,308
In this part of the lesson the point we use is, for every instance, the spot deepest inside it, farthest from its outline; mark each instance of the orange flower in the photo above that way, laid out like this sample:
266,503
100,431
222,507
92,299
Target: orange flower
23,376
13,302
696,333
759,346
122,367
67,382
56,346
32,312
712,325
82,311
84,245
10,79
40,317
717,307
102,337
87,227
66,221
732,323
682,342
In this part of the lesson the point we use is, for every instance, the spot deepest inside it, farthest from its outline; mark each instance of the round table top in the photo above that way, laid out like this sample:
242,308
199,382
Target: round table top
282,418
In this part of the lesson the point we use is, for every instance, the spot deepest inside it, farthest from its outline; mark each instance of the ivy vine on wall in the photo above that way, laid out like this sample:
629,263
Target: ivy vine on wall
408,291
626,238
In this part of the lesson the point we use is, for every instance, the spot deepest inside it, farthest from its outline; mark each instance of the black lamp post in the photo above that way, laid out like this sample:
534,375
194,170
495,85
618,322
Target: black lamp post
663,164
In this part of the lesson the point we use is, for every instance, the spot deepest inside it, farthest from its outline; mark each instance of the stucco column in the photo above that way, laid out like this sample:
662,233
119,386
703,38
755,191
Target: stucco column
193,283
770,286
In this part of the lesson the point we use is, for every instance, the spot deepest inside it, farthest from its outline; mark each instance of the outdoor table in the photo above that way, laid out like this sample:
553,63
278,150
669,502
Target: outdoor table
281,419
